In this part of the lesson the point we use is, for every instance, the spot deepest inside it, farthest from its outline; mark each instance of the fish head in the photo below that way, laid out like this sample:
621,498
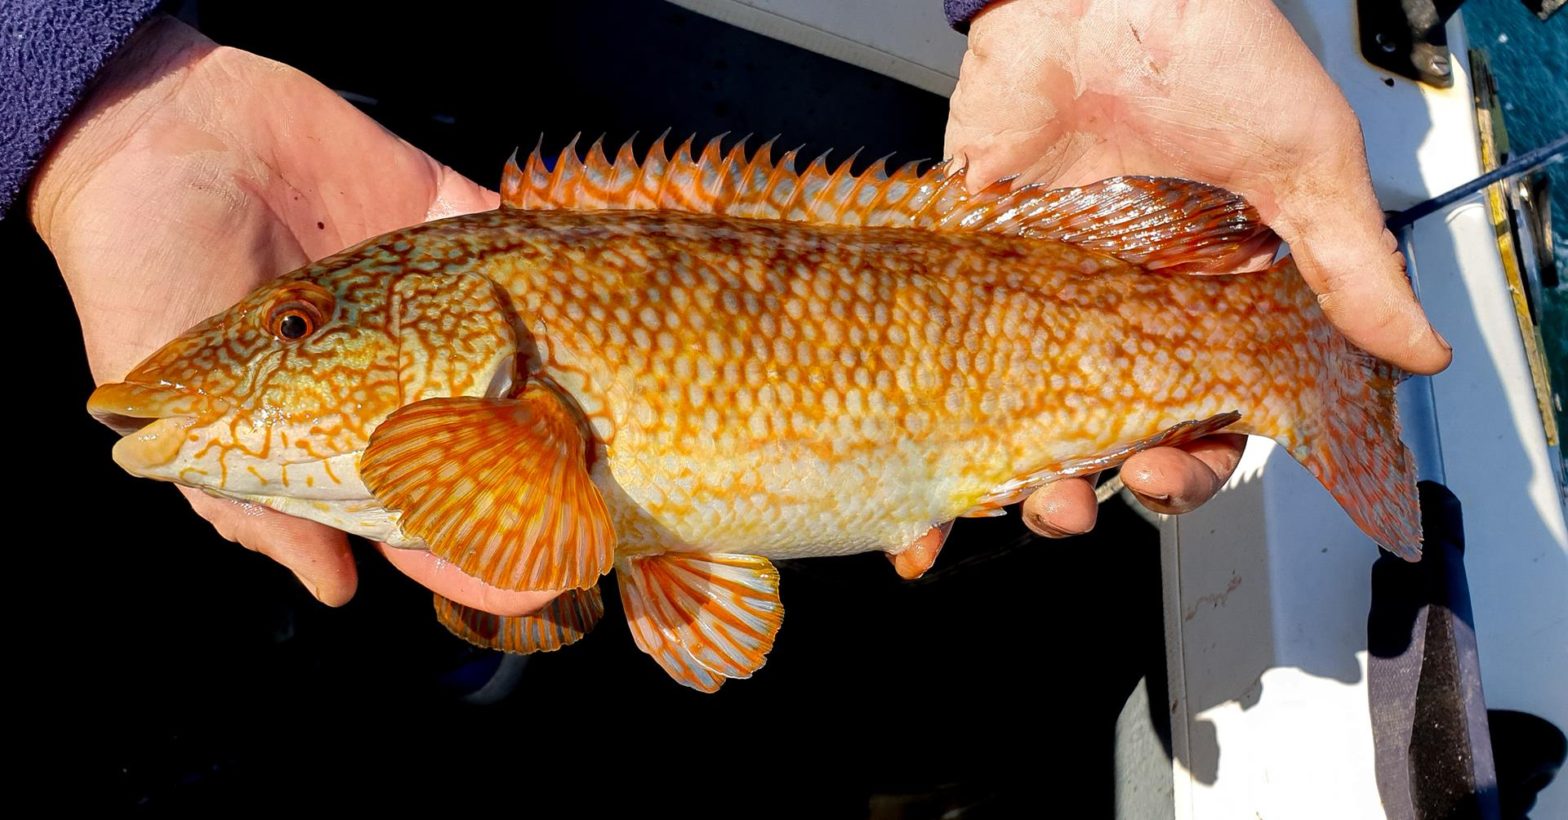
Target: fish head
276,397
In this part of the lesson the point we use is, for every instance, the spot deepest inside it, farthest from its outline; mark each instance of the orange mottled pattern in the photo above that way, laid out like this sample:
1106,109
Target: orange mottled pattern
787,389
285,409
283,422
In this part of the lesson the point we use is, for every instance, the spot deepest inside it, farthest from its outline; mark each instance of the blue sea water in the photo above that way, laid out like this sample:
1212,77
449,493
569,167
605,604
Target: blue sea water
1530,59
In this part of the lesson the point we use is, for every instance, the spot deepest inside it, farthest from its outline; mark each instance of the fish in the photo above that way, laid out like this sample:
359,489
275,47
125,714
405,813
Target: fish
684,367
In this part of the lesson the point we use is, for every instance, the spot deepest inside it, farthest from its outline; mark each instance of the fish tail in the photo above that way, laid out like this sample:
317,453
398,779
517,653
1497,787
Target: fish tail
1352,443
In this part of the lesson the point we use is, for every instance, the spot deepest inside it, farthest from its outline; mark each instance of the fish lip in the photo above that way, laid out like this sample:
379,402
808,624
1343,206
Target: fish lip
129,407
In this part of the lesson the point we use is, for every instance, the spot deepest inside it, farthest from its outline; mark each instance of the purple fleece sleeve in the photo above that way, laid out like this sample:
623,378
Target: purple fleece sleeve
960,12
49,51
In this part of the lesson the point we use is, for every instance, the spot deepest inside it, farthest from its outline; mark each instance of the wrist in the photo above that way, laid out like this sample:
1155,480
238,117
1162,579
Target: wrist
146,73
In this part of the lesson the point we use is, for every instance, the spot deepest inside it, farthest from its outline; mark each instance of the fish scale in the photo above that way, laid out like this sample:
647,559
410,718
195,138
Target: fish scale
684,366
871,381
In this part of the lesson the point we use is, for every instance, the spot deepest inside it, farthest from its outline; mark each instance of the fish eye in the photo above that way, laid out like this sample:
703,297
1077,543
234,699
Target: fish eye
292,321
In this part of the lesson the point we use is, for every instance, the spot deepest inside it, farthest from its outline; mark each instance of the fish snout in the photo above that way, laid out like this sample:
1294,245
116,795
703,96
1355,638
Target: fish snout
127,407
151,418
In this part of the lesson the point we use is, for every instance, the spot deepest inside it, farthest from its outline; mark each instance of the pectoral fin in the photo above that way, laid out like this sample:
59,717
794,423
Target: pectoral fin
703,617
498,487
563,621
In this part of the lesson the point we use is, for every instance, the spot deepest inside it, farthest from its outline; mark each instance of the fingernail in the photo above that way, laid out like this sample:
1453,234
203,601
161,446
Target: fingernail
1044,527
1164,504
1442,341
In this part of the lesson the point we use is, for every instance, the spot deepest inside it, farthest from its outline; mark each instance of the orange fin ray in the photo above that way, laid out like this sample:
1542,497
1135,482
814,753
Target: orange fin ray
917,558
1017,489
644,188
599,178
1157,223
563,621
498,487
703,617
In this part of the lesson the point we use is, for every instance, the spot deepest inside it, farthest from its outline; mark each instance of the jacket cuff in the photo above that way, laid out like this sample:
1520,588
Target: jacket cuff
960,12
50,50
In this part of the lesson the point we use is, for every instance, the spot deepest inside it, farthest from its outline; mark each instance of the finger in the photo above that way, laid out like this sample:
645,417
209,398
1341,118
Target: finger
1062,508
317,554
1331,218
1174,480
1004,116
446,580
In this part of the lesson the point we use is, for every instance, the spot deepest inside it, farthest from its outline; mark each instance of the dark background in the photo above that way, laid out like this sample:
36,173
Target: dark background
174,672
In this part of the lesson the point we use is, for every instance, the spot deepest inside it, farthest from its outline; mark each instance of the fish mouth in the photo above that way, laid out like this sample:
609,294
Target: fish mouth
151,419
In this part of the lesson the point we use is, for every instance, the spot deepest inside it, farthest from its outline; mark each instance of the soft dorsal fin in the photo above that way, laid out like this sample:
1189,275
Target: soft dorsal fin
1158,223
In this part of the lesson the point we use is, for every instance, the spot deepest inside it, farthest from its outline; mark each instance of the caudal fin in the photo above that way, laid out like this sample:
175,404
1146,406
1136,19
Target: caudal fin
1353,444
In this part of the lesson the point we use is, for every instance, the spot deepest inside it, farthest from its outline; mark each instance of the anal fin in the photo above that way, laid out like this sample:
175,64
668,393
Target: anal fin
1017,489
563,621
703,617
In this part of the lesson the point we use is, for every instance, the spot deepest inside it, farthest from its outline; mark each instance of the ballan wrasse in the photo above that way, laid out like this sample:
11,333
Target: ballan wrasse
682,368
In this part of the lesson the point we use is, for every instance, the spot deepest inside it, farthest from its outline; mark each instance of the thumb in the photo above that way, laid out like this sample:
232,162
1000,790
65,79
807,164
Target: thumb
456,194
446,580
1334,226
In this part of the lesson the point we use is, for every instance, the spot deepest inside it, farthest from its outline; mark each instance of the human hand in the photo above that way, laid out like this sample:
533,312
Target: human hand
1218,91
194,173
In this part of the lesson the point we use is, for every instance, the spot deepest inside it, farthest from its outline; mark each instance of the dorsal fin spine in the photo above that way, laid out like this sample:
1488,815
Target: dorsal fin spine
710,170
650,175
565,165
831,196
732,174
784,176
680,170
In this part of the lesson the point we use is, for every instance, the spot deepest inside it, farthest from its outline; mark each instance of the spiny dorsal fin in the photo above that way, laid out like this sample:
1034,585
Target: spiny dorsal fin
1157,223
